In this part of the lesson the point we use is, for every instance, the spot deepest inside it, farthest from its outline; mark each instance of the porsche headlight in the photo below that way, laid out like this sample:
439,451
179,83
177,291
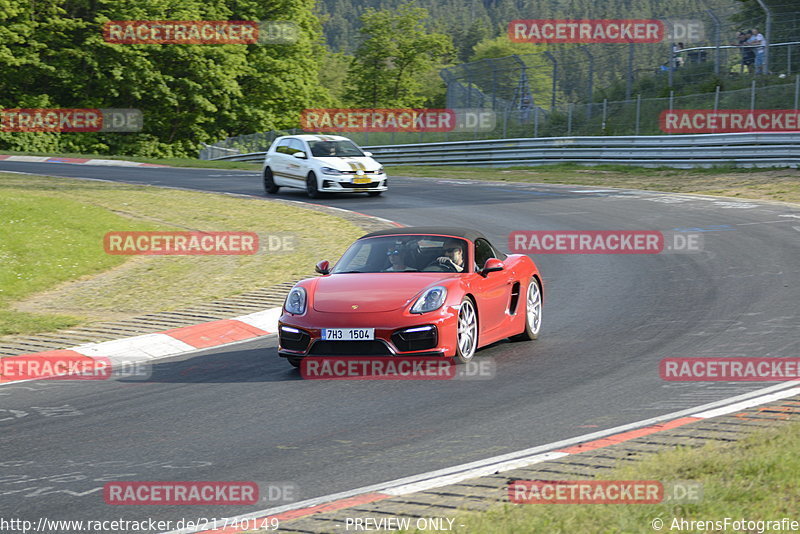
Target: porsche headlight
331,170
431,300
296,301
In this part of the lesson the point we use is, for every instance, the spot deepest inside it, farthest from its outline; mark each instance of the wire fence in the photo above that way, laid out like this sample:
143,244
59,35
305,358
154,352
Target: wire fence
636,116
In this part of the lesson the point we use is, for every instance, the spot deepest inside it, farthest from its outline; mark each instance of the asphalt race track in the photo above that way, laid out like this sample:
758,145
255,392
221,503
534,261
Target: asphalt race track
242,413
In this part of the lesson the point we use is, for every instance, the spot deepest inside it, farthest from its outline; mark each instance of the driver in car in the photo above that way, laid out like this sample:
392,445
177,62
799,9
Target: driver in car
453,259
328,149
323,150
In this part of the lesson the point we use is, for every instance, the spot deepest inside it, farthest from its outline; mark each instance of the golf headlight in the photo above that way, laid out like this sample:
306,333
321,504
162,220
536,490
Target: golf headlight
429,301
330,170
380,170
296,301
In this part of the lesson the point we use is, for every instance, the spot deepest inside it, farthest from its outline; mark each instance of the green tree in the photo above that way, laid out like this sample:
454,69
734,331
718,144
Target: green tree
500,46
396,52
539,69
52,54
466,39
333,73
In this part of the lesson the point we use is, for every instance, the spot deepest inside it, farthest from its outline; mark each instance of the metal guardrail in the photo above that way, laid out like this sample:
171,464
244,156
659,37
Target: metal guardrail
772,149
253,156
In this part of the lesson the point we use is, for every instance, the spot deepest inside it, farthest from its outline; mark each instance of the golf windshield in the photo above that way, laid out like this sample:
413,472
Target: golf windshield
334,149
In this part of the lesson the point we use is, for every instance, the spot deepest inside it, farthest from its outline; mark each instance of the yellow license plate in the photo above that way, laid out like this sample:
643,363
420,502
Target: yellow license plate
362,180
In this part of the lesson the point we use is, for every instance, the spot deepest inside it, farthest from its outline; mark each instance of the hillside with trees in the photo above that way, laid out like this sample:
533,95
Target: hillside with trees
470,21
359,53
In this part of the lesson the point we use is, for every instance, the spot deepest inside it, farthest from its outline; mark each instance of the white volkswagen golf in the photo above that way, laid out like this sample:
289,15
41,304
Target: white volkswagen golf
322,164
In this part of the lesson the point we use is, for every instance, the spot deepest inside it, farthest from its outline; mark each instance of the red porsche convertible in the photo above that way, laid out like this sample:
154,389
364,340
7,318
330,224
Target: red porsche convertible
413,292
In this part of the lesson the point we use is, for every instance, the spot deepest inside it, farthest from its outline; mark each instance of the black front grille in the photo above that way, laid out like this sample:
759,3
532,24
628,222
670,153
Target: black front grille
421,340
294,341
348,185
350,348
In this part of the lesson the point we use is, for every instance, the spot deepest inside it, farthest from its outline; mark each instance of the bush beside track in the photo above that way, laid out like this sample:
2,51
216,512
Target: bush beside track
56,273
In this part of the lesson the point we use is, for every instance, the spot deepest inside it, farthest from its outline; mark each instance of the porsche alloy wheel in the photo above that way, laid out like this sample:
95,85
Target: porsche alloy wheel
533,312
467,335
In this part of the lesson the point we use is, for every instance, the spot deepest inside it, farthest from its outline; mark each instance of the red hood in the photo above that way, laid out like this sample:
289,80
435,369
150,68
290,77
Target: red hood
371,292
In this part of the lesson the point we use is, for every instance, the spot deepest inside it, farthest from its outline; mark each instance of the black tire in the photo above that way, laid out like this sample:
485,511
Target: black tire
467,325
375,193
532,324
295,362
269,183
311,186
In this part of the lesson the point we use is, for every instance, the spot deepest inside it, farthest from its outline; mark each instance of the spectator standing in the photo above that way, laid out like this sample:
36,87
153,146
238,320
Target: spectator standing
748,52
677,60
760,50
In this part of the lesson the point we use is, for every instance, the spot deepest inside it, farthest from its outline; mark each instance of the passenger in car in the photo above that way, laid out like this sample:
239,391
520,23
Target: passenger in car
398,259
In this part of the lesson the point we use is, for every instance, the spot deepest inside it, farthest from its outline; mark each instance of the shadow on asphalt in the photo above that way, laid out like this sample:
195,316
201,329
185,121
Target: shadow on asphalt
243,366
251,365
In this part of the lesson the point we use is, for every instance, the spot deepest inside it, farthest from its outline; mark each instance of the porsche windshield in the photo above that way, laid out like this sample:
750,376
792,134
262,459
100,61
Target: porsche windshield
404,253
334,149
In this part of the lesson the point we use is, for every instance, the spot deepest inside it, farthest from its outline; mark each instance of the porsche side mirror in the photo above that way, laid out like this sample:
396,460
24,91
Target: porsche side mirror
299,155
323,267
492,265
368,154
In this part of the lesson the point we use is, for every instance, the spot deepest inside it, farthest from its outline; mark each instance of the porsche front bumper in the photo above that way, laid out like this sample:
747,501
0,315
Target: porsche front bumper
430,334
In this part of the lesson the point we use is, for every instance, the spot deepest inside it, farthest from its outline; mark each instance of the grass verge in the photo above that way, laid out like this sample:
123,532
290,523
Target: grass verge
55,273
757,184
753,479
172,162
